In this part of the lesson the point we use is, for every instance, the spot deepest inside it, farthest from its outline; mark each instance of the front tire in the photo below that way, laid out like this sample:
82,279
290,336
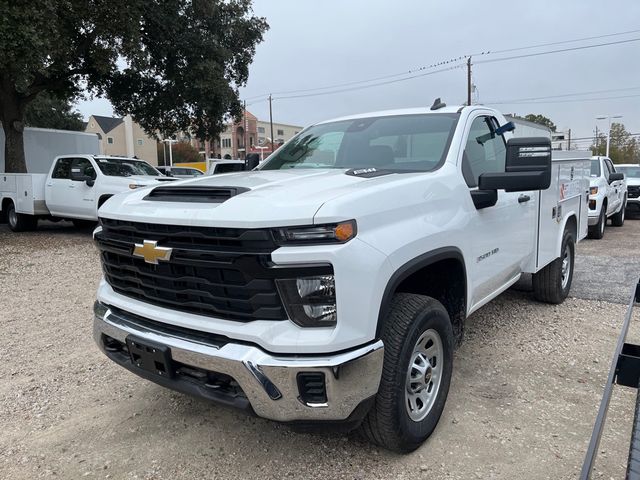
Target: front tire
553,282
19,222
418,361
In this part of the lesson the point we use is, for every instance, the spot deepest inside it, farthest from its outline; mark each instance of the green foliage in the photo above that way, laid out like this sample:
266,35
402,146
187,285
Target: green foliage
174,65
541,120
182,152
623,148
47,111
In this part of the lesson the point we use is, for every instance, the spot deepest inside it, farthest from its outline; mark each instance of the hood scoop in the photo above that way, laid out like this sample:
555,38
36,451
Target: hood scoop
194,193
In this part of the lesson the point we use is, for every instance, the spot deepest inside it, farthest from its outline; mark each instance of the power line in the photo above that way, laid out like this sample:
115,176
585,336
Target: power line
584,47
564,101
452,60
506,50
368,86
501,102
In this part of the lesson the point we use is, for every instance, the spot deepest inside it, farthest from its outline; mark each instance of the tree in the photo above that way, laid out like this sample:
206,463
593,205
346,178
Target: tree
541,119
47,111
174,65
181,152
623,148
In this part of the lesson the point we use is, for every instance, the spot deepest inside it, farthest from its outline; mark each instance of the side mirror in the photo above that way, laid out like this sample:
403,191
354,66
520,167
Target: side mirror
251,161
528,167
614,177
78,176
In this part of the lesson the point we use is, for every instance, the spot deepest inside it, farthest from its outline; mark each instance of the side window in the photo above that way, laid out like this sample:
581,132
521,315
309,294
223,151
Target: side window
85,167
62,169
484,152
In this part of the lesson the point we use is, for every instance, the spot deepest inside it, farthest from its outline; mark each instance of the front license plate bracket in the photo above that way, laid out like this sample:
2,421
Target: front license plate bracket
150,356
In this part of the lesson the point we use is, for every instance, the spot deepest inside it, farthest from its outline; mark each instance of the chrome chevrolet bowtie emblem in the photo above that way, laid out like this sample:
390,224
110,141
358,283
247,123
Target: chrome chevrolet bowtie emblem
151,252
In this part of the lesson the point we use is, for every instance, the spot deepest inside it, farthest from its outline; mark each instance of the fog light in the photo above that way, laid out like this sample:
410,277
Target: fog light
310,301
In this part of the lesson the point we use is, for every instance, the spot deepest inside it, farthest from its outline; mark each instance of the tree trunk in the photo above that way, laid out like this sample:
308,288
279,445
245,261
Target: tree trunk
12,117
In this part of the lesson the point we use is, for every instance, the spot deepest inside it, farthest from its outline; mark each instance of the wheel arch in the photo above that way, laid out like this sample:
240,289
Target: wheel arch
571,221
4,206
448,266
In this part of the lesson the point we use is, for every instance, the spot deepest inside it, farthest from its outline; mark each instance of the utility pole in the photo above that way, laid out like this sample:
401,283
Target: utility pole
569,140
469,81
246,127
271,122
597,141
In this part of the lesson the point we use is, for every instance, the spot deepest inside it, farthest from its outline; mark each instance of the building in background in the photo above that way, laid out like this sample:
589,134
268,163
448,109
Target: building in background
561,140
249,135
123,136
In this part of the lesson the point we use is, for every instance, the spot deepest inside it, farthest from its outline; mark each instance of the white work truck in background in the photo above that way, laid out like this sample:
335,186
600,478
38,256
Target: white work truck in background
607,196
331,284
632,178
75,187
43,145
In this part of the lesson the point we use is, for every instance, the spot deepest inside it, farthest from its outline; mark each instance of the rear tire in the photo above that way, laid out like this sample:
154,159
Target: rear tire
553,282
418,361
618,219
19,222
597,231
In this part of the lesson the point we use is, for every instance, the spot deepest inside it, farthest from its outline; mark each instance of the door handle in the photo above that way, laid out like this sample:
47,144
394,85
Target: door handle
523,198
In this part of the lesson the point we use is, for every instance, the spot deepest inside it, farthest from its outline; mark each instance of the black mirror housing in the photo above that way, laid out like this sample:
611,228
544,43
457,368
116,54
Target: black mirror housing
614,177
251,161
528,167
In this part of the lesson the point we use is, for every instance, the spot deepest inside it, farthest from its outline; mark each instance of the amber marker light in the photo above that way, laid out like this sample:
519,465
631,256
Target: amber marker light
344,231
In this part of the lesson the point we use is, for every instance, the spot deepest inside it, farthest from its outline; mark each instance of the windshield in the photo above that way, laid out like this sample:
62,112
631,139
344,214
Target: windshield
126,167
400,143
633,172
595,168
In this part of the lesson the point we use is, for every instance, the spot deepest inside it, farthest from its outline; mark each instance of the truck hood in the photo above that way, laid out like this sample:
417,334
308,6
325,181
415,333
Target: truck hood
265,198
634,181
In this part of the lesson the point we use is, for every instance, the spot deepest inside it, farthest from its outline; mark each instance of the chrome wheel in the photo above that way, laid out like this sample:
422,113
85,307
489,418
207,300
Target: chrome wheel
424,375
566,266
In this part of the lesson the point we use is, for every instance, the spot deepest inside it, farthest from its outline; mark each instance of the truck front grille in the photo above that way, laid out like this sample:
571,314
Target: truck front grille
633,191
218,272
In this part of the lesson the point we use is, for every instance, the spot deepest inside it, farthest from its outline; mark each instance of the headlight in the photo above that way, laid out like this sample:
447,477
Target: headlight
593,191
314,234
310,301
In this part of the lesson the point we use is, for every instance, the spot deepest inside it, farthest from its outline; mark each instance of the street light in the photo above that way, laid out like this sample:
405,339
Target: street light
170,142
608,117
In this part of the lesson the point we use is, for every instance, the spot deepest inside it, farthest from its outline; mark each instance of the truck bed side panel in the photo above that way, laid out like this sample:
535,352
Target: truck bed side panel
566,197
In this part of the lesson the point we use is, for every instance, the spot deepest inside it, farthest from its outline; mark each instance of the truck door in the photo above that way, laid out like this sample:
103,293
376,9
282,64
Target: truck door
81,197
502,236
616,188
58,186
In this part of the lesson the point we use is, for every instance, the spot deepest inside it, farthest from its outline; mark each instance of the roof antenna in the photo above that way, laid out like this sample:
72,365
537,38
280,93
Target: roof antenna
438,104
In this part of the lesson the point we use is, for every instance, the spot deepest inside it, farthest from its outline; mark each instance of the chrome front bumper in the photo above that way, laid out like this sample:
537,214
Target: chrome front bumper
269,382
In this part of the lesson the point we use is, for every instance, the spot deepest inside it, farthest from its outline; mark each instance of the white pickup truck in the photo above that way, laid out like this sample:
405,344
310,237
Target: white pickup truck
607,196
75,187
632,178
331,284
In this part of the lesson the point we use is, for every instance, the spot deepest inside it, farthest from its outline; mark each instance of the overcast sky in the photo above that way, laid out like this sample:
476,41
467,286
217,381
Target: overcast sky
318,43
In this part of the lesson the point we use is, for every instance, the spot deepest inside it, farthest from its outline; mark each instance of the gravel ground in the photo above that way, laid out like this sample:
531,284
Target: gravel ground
526,387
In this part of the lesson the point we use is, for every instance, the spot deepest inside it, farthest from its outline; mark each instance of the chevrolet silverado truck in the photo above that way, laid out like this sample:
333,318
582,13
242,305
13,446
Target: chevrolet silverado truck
607,196
632,176
75,187
331,284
